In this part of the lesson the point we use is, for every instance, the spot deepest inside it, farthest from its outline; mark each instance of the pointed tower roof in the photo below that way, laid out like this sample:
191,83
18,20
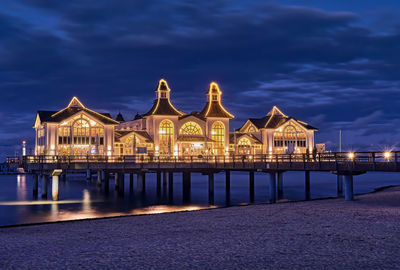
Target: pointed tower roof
120,118
162,105
213,107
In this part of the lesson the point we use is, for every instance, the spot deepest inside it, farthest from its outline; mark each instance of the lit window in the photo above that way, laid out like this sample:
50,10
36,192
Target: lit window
218,135
166,133
191,128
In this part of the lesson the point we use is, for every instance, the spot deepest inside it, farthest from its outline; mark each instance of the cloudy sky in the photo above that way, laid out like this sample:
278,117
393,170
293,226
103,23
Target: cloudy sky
333,64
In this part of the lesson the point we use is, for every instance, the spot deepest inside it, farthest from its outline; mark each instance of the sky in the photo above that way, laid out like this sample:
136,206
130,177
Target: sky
332,64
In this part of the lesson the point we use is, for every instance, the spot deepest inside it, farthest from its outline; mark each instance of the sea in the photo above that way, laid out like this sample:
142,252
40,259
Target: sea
80,198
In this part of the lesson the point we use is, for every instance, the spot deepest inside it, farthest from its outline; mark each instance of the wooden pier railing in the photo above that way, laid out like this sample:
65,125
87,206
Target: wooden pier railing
329,161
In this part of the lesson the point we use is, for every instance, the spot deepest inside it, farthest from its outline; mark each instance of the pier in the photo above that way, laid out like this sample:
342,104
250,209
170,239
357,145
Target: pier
345,165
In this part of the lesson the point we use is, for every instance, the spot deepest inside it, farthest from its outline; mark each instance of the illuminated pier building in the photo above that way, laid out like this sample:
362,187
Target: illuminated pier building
167,131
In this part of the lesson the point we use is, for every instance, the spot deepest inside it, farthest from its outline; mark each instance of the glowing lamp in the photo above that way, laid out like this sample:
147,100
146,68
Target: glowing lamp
350,155
387,155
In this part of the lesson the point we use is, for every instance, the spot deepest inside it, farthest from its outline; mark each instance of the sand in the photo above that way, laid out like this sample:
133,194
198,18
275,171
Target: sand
330,234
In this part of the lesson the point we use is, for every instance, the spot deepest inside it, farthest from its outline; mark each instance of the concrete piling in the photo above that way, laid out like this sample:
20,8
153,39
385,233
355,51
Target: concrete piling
339,184
54,187
348,187
272,187
280,183
251,186
99,179
45,185
186,183
35,185
211,188
307,185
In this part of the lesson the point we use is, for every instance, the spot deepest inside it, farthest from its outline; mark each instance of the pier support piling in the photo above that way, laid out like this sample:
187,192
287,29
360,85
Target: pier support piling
211,188
35,185
307,185
348,187
121,182
158,184
54,187
131,182
272,187
88,174
141,182
45,185
99,179
171,187
339,184
251,186
106,182
116,179
280,184
165,180
186,179
228,186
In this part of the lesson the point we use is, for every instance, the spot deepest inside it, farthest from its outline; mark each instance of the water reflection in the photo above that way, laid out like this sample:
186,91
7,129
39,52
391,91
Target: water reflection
84,199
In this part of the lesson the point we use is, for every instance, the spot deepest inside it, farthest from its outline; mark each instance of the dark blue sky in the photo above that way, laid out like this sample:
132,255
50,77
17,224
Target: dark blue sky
334,64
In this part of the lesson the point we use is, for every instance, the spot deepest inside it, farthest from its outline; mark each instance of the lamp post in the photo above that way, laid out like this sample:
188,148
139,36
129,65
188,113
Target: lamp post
23,148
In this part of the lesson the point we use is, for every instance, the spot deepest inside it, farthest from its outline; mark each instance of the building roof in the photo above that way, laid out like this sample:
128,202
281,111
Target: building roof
275,118
56,117
254,139
214,108
120,118
142,133
194,114
162,105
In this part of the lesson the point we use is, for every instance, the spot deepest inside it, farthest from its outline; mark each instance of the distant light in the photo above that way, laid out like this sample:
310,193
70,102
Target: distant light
387,155
23,142
350,155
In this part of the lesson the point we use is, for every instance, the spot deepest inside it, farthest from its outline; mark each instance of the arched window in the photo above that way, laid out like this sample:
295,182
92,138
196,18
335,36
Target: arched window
166,136
244,146
290,136
218,135
81,132
251,129
191,128
244,142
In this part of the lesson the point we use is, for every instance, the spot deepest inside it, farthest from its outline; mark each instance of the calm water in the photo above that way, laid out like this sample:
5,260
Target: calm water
80,198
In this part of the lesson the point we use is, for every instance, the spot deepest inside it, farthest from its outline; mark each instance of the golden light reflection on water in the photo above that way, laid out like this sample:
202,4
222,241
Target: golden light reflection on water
16,203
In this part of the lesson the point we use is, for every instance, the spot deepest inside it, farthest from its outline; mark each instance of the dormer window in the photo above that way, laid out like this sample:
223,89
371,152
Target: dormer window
163,94
214,98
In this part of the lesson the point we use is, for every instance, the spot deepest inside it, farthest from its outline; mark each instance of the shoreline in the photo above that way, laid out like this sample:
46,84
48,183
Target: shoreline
319,233
182,211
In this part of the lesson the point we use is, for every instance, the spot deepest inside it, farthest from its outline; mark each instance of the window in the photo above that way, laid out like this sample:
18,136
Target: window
166,136
251,129
191,128
218,135
214,98
244,146
290,135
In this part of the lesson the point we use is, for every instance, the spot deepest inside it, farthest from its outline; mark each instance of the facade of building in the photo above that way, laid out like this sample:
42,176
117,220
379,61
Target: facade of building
167,131
275,133
74,130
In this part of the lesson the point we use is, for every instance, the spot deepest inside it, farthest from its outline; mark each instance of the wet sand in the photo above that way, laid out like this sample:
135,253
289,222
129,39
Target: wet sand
332,234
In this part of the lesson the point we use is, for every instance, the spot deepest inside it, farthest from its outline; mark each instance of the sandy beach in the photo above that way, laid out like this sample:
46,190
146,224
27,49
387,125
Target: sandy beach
330,233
